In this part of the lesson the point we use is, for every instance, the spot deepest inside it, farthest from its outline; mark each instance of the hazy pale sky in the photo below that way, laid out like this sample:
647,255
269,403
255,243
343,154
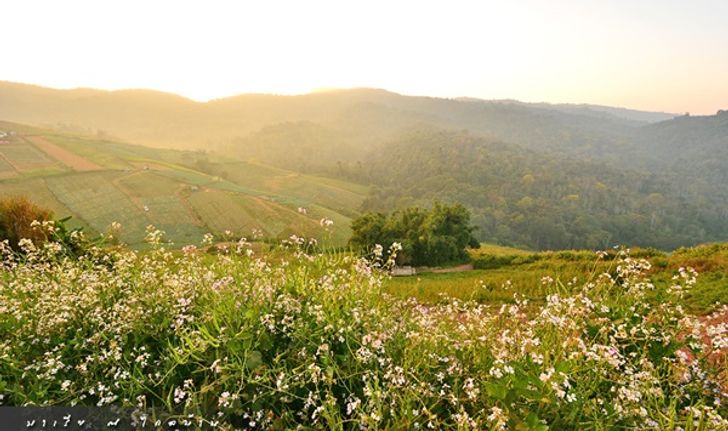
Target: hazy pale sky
657,55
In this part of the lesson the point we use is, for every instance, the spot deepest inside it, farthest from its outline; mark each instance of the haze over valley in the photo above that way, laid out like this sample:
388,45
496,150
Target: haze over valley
542,176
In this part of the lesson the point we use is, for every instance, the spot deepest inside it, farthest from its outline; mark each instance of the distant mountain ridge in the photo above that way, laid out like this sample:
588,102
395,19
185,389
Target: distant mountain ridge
633,115
137,114
586,174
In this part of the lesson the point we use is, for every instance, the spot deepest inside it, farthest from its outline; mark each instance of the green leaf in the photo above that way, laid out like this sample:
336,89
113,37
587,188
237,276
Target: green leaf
534,423
253,360
497,391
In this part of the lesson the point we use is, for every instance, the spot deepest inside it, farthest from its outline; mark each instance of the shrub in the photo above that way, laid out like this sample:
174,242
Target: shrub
21,219
17,215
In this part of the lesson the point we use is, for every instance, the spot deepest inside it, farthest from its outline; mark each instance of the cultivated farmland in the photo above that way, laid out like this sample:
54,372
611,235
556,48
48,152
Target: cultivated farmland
185,193
27,159
99,202
69,159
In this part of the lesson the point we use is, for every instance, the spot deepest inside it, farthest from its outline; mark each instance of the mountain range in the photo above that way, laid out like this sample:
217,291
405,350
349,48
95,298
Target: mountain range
536,175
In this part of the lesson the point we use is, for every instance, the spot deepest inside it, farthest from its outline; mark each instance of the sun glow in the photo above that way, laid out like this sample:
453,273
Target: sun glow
644,55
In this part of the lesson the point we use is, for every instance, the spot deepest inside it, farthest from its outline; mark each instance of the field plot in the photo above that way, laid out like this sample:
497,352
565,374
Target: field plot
6,169
159,198
339,233
188,176
94,197
329,193
72,160
310,189
36,189
148,184
98,151
26,158
106,151
222,210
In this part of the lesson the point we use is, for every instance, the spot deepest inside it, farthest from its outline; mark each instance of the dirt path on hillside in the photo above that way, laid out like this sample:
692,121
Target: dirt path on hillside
72,160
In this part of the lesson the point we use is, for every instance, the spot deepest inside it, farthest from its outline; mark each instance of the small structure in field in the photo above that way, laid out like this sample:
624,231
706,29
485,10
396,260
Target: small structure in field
402,271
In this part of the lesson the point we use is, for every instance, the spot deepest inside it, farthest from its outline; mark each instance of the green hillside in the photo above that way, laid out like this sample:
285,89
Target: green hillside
538,175
502,274
186,194
522,197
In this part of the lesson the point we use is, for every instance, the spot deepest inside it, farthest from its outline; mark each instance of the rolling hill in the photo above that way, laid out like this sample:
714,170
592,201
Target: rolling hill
521,196
357,117
184,193
537,175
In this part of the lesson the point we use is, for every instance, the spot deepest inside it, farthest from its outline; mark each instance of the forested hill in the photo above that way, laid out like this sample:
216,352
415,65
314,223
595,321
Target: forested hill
359,118
519,196
537,175
694,147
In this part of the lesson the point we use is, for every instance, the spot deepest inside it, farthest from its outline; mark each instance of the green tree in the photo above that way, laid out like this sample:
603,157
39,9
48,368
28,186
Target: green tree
432,237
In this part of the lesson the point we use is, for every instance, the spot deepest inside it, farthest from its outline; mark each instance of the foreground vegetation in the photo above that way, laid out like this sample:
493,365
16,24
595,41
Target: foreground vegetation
502,271
307,340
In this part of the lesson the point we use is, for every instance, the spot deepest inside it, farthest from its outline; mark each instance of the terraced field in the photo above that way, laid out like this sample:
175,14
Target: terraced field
68,158
184,193
100,203
160,199
6,169
26,158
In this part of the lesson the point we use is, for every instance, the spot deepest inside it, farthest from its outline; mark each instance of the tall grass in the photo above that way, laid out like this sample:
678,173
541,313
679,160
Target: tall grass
504,272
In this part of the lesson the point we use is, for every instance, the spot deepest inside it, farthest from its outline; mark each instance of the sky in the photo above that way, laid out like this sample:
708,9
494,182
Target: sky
661,55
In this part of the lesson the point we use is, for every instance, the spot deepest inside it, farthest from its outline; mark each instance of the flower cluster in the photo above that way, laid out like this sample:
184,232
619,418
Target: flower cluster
308,340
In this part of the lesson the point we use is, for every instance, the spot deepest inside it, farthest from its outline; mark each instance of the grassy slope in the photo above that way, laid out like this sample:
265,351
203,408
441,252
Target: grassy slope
138,186
522,272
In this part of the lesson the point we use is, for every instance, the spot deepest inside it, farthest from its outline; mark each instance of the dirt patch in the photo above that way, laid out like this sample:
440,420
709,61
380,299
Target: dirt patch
72,160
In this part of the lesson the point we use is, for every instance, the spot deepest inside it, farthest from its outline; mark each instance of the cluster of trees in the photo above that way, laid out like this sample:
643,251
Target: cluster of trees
584,187
525,198
431,237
